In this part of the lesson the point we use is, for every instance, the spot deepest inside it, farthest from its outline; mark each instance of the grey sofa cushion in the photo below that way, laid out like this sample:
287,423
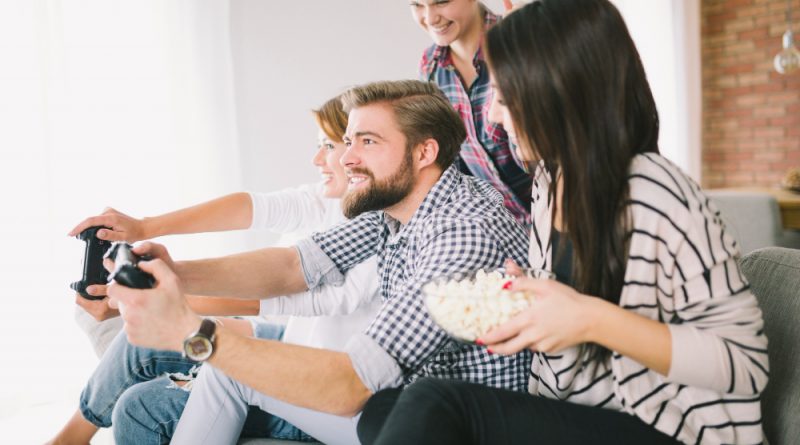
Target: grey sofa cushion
754,218
774,275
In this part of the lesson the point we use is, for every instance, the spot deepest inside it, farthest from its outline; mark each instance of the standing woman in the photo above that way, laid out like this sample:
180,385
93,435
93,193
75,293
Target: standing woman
651,334
456,64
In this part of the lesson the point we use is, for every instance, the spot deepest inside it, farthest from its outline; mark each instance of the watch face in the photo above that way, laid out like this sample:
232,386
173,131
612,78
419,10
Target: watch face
198,348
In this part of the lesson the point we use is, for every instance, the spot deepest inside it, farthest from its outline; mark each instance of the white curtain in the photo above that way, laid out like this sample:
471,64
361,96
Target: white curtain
102,103
667,35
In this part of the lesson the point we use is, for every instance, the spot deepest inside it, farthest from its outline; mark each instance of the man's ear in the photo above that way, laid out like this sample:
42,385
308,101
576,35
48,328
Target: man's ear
427,152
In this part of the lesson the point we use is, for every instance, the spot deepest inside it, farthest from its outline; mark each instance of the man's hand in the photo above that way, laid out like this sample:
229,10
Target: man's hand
157,318
155,251
123,227
98,309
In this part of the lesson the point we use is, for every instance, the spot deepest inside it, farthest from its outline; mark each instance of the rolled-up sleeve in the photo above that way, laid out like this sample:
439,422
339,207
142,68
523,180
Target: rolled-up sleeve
374,366
328,255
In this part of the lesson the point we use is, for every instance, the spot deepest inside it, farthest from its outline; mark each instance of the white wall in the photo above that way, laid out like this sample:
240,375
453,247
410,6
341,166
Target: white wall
290,58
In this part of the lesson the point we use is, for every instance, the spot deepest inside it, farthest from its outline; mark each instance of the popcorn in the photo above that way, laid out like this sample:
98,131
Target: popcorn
469,308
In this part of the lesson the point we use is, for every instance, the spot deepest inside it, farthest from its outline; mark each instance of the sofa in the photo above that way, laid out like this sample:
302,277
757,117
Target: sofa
774,276
754,218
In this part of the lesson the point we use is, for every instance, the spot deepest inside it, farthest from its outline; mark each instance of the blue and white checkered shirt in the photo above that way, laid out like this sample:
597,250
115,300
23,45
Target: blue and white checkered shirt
460,227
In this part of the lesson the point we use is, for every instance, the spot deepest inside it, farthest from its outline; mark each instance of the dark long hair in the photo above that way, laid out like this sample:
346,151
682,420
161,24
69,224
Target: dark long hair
580,102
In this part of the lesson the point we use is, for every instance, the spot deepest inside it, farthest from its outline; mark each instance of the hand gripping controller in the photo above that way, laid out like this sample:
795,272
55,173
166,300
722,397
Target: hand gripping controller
126,271
93,270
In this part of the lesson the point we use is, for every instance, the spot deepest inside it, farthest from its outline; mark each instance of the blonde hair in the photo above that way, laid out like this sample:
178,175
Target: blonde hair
331,119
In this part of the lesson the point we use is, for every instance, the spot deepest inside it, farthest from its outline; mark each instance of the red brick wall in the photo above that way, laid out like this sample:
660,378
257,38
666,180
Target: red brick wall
751,114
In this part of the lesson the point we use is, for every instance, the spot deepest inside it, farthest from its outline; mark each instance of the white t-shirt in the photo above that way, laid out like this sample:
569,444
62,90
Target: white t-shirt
325,317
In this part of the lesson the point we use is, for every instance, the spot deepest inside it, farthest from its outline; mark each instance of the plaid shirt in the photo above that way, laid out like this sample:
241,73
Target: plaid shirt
460,227
486,152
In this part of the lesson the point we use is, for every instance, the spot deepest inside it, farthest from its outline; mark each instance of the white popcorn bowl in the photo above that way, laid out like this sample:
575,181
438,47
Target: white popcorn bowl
469,307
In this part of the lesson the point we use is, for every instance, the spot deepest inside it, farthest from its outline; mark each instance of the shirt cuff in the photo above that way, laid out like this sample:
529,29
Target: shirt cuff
689,348
374,366
255,209
318,268
269,306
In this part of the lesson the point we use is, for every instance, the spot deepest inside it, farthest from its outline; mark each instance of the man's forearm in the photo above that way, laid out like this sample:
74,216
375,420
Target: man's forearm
317,379
256,274
223,306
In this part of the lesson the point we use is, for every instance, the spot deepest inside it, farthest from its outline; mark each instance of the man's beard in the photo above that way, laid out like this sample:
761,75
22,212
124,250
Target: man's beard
380,195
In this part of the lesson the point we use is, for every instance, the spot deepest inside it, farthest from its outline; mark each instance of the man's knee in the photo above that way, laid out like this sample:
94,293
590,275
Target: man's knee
212,380
148,412
130,409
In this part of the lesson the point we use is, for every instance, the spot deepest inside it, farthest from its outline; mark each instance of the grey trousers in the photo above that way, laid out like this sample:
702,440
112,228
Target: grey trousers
217,408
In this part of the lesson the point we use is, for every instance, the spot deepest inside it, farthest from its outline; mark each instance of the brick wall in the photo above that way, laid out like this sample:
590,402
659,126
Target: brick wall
751,114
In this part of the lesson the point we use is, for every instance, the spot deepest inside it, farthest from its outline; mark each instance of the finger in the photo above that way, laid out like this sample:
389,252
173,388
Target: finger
534,286
119,294
525,340
96,290
508,5
507,330
88,222
512,268
159,269
108,264
111,235
155,250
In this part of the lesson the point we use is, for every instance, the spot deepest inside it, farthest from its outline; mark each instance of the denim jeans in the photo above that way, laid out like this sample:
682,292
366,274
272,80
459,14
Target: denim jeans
133,388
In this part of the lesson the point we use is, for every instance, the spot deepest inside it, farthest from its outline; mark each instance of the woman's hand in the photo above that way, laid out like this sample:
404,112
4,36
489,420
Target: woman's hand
98,309
122,227
558,317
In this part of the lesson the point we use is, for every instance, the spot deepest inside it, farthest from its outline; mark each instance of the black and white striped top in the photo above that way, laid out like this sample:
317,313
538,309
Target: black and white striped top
682,271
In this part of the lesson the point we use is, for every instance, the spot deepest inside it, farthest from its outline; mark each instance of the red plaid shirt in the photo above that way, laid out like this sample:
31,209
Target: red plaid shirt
486,153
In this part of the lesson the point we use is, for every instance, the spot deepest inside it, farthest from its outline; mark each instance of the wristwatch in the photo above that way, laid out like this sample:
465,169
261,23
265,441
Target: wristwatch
199,345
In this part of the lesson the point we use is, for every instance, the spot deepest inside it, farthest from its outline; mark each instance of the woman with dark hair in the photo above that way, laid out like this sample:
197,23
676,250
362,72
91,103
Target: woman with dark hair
650,333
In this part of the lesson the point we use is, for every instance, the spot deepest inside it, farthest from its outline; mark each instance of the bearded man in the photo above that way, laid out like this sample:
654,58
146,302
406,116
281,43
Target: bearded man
410,206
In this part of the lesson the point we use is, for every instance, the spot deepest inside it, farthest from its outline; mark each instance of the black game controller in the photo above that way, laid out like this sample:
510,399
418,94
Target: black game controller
126,270
93,270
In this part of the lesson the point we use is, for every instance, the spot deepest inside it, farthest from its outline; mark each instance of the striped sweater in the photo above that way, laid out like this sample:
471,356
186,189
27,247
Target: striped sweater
682,271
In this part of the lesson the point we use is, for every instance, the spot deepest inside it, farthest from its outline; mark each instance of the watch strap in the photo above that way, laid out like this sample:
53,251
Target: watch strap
207,328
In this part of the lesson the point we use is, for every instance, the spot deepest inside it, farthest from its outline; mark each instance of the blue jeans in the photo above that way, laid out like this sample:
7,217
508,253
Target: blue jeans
133,388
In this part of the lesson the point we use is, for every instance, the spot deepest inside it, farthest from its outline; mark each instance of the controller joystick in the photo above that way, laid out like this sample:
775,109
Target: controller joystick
126,270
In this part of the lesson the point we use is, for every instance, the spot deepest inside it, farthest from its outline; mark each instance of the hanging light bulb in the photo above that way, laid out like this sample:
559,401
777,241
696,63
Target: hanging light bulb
788,60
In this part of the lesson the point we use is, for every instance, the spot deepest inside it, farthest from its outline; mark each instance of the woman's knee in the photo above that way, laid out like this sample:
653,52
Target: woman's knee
431,392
